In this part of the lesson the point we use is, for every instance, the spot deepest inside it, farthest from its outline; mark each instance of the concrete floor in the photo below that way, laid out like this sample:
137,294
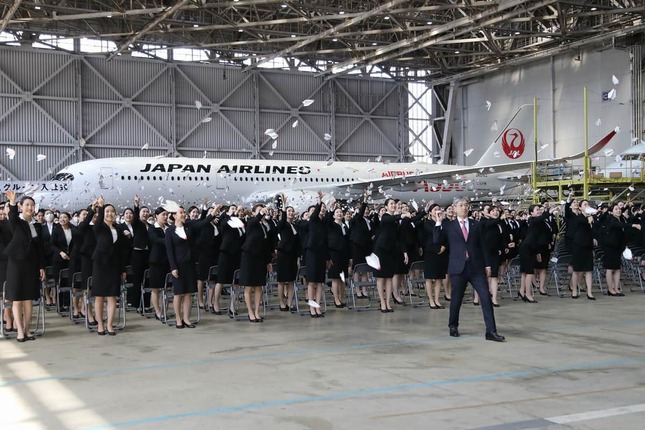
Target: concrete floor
565,361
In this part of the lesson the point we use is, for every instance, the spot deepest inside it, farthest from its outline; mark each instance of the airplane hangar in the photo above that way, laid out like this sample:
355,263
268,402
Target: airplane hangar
339,80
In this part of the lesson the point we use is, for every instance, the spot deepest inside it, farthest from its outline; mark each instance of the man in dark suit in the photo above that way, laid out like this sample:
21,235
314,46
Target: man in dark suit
467,264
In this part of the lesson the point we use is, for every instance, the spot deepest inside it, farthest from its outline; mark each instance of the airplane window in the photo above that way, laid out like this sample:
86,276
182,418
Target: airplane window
148,178
64,177
128,178
190,178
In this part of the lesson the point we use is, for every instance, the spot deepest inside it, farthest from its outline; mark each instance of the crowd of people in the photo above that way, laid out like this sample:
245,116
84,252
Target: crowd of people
458,246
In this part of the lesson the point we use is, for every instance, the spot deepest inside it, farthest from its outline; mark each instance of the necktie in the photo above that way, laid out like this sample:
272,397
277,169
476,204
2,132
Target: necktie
464,231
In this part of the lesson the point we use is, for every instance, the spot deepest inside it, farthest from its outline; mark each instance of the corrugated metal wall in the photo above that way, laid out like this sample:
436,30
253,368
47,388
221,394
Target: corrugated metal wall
77,107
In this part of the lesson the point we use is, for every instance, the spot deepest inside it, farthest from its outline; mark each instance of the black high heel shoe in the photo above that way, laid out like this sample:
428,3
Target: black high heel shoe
543,294
590,297
185,324
398,302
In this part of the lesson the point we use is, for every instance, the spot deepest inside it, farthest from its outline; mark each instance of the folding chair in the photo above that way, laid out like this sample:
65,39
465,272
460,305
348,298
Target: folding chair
167,297
63,287
360,271
270,288
560,273
513,277
414,280
38,306
127,285
211,282
236,296
145,289
299,285
76,291
49,285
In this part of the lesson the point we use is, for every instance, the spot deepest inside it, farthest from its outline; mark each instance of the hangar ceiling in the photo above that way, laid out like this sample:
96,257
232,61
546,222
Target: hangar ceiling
403,39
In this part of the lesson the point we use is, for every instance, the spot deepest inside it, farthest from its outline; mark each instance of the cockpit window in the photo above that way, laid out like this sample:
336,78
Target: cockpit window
63,176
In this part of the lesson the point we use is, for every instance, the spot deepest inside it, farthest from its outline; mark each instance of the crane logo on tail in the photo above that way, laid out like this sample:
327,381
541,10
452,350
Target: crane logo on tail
513,143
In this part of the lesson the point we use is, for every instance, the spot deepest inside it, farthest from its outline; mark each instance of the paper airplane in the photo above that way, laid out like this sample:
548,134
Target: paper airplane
307,102
614,80
598,122
488,105
11,153
295,124
611,94
198,104
207,119
145,146
327,136
469,151
494,126
41,157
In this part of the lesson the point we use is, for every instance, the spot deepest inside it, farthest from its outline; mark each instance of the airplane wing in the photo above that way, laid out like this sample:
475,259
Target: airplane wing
452,173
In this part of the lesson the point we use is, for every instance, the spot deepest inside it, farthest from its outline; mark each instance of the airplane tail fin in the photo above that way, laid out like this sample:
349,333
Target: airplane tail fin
515,141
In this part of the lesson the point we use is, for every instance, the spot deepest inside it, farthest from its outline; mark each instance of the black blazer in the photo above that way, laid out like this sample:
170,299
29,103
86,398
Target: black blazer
59,242
336,240
105,247
178,249
157,241
388,233
140,229
257,242
231,238
5,238
434,237
317,232
20,243
360,234
289,242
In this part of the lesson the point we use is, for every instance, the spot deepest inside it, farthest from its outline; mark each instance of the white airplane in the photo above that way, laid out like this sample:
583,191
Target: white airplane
627,164
190,181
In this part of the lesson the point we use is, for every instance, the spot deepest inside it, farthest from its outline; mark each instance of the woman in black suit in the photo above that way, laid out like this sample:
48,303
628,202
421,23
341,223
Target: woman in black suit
338,243
25,264
288,252
317,256
530,252
255,262
582,247
613,246
5,238
158,260
62,243
182,267
362,230
383,247
495,248
435,255
230,252
108,268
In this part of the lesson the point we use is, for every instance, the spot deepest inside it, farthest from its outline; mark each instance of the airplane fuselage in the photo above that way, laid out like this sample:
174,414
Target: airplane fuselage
192,181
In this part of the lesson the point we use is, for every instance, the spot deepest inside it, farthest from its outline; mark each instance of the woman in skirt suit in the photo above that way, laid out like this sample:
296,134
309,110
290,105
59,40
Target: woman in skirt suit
5,238
582,247
613,246
338,243
158,260
288,252
435,255
317,256
386,236
108,268
230,251
495,247
182,267
62,244
25,264
255,262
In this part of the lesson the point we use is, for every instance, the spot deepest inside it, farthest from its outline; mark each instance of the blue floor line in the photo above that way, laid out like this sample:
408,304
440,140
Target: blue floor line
299,352
367,392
